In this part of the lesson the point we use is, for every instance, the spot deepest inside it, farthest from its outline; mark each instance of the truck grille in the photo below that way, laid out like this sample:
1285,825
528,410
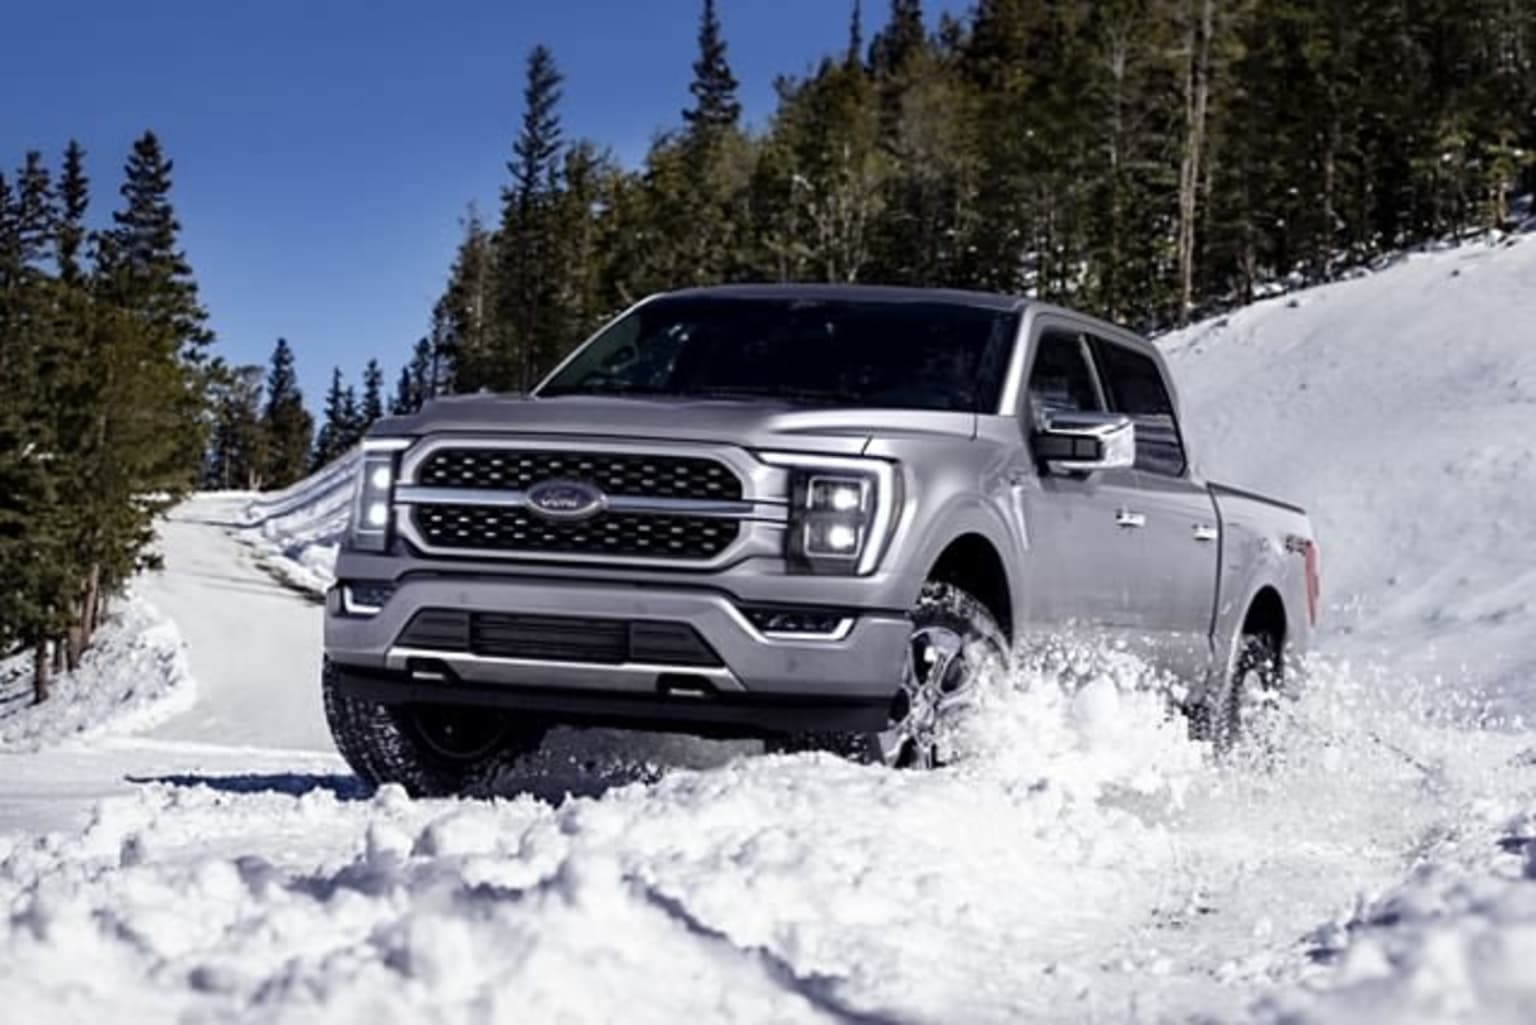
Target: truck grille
625,534
559,638
616,473
665,520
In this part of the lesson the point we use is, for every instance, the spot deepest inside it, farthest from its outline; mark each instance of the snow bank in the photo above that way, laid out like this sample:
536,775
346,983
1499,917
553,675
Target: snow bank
133,677
295,531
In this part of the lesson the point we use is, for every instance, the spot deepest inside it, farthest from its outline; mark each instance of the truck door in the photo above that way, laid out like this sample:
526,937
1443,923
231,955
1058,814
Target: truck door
1080,573
1178,540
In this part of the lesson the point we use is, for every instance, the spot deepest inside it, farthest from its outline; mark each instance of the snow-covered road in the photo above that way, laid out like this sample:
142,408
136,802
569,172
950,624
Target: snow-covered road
254,644
1373,860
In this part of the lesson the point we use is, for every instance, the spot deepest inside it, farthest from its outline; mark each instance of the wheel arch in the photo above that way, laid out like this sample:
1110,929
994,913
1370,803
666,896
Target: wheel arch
972,562
1266,615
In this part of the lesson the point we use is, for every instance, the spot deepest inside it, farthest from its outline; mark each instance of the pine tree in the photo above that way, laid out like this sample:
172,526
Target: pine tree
34,558
902,39
823,179
144,273
235,452
698,180
286,424
336,427
715,109
855,52
74,199
145,268
466,311
404,403
372,407
528,246
419,380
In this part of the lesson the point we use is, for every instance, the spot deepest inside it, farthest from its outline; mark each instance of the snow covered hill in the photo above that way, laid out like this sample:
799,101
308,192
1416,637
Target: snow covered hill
1374,860
1400,408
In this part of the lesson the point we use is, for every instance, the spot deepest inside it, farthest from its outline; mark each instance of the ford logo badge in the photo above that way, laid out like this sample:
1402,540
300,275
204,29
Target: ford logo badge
566,500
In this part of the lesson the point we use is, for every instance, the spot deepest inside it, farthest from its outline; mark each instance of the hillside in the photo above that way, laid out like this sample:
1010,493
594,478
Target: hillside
1400,408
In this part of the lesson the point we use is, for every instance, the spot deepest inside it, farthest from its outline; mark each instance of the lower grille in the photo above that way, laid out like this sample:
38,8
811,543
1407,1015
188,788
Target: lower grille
559,638
493,528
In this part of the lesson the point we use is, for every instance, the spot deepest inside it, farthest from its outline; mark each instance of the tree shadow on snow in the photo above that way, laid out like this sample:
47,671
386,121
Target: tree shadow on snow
292,784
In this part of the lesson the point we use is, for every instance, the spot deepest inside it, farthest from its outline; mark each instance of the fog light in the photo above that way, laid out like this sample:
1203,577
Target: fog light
365,597
378,514
381,478
811,623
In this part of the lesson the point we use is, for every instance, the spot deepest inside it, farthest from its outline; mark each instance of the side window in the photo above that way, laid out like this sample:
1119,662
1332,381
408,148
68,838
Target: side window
1136,388
1061,380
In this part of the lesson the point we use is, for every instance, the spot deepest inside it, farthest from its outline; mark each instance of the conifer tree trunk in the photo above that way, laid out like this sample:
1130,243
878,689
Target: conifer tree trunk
1197,91
39,671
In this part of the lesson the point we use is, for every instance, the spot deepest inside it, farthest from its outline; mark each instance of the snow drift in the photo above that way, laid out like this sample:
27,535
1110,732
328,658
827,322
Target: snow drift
295,531
134,676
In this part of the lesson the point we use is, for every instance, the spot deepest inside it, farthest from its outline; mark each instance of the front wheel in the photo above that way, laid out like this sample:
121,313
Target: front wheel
954,644
431,750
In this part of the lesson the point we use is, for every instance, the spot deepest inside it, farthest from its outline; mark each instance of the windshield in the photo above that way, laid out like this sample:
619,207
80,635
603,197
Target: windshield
901,355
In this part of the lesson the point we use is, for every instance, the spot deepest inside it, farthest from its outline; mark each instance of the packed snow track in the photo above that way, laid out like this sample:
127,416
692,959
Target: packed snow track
178,840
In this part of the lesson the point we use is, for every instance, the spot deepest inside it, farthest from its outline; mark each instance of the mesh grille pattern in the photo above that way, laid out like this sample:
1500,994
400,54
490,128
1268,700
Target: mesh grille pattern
616,473
629,534
559,638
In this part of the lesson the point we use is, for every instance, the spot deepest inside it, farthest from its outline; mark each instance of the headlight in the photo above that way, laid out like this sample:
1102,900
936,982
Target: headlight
374,493
841,511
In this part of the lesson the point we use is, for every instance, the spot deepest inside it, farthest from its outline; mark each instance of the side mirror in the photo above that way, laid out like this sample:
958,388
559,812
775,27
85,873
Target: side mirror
1079,443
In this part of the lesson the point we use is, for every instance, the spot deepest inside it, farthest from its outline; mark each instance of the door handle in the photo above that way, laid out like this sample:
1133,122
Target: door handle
1132,520
1206,532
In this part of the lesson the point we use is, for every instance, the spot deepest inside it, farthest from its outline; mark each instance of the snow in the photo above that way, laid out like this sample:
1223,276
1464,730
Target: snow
133,677
1410,397
254,643
294,532
1371,857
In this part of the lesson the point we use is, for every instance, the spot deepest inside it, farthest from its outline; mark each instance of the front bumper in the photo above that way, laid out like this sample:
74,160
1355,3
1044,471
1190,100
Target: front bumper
815,678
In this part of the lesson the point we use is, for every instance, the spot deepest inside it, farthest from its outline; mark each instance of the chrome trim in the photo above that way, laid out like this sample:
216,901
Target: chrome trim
356,608
632,677
387,444
416,494
765,491
759,481
839,633
702,508
757,539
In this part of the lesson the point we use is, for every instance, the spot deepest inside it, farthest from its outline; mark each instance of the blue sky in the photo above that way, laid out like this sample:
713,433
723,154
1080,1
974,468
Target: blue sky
326,150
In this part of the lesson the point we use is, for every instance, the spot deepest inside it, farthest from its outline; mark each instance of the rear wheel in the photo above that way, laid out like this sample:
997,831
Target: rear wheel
954,643
431,750
1252,688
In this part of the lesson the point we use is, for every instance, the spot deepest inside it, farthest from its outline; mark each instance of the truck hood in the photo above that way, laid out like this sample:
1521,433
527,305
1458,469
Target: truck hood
750,424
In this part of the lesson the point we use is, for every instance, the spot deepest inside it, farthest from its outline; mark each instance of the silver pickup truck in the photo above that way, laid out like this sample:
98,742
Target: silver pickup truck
812,514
